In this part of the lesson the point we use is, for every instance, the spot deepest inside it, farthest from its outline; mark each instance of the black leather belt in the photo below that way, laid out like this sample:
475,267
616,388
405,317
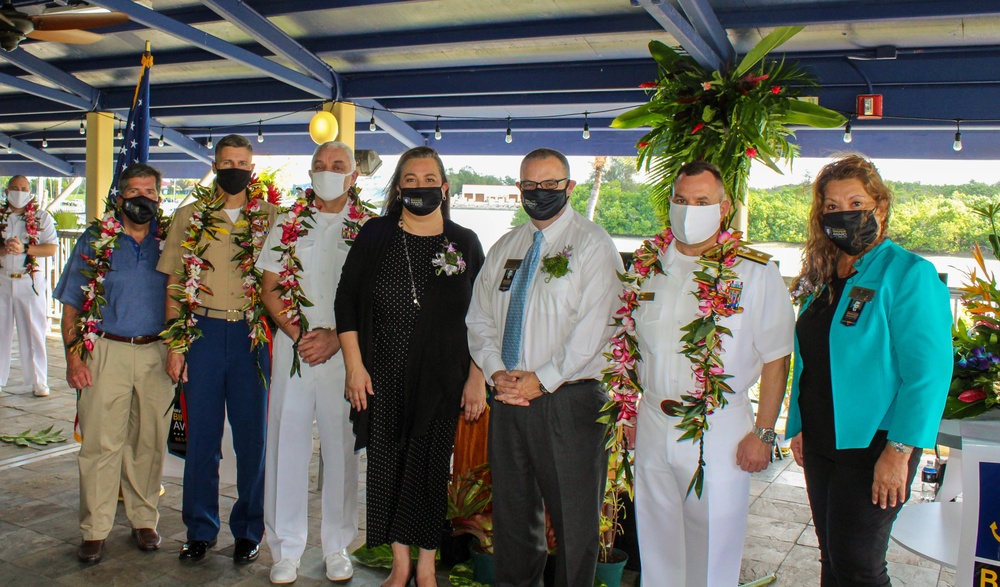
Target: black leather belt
130,339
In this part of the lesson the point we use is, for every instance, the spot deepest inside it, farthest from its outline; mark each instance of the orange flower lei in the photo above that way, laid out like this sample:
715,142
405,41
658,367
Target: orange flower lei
702,340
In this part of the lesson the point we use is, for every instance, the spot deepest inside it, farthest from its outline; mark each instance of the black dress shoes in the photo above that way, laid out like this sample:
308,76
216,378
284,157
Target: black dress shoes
245,551
195,550
90,551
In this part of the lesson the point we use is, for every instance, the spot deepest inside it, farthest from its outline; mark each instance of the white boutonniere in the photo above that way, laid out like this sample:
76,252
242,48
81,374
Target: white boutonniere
449,261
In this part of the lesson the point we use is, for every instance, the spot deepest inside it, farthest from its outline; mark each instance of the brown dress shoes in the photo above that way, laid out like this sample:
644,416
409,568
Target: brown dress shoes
90,551
146,538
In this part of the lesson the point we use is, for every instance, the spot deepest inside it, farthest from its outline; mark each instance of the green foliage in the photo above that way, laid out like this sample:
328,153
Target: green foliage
468,175
780,214
65,219
41,438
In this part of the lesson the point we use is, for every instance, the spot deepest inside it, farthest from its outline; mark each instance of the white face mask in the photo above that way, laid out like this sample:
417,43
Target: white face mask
693,225
18,199
329,185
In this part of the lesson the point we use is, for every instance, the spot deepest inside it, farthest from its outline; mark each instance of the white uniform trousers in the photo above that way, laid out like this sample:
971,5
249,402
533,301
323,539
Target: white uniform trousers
690,542
19,305
293,406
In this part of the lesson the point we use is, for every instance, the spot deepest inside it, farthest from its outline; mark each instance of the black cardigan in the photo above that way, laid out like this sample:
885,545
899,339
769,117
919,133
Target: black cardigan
438,362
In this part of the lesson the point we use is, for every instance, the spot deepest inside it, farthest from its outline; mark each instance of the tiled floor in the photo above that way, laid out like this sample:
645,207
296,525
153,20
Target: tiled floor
39,532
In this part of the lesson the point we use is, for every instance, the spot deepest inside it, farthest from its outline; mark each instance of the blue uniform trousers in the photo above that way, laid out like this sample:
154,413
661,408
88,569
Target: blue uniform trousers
223,377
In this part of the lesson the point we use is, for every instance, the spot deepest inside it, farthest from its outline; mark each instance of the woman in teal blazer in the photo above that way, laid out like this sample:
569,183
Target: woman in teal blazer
872,369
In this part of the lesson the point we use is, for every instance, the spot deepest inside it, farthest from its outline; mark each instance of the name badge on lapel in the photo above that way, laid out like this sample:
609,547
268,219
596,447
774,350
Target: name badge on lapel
647,296
509,270
858,297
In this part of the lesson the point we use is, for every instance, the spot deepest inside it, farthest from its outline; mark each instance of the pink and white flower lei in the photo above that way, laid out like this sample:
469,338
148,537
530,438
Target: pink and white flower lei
358,213
30,226
107,230
293,299
702,345
253,227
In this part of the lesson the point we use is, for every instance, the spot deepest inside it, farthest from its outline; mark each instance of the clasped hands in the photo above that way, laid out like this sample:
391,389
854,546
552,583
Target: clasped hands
318,345
13,246
516,388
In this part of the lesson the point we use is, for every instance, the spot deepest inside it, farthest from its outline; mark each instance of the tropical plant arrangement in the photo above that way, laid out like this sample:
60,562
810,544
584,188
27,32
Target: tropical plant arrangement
470,506
975,384
728,117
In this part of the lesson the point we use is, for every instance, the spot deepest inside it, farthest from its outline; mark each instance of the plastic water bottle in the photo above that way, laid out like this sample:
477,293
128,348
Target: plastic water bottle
929,483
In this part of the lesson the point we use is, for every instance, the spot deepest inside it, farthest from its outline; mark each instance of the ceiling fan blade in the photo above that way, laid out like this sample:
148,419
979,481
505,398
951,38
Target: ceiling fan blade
62,22
73,37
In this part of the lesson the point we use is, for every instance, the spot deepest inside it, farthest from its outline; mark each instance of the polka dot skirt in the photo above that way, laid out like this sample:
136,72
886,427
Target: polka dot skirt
408,479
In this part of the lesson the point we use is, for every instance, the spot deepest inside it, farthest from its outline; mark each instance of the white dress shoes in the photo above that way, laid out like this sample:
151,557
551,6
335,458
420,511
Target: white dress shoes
285,571
338,566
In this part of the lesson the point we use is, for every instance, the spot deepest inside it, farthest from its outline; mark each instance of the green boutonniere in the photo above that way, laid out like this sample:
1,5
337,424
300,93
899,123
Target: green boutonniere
557,265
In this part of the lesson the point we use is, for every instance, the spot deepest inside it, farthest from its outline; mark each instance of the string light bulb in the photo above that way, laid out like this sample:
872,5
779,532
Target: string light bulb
45,141
371,123
957,145
437,129
161,141
83,128
848,137
209,144
10,147
586,127
120,135
260,131
510,137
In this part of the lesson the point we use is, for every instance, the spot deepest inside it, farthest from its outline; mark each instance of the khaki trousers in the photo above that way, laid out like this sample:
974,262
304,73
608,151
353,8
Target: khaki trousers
124,419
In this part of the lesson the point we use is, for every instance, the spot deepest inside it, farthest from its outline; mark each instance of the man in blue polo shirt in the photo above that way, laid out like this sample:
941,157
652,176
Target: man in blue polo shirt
119,368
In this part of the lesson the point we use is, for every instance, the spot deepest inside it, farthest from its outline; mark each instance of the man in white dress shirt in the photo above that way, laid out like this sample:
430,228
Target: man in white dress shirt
318,394
686,541
23,294
537,326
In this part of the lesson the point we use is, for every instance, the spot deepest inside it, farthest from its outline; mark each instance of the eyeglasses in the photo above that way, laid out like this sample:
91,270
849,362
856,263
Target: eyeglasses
547,184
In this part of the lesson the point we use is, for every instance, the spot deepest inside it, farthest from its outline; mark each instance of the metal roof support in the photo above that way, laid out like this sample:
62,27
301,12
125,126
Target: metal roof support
39,156
183,143
60,78
707,24
45,92
269,35
215,45
853,12
674,23
392,124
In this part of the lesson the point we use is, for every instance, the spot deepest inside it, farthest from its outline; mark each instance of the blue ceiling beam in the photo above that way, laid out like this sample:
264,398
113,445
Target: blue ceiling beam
187,33
267,34
39,156
392,124
680,29
184,143
45,92
852,12
51,73
707,25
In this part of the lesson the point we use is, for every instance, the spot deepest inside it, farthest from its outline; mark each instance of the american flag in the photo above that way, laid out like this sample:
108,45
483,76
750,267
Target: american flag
135,146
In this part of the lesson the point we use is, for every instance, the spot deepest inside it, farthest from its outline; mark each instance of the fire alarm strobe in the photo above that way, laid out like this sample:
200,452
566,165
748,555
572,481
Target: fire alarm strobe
870,106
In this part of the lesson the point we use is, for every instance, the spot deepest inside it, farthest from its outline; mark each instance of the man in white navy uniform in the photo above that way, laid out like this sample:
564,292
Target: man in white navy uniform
686,541
318,394
537,327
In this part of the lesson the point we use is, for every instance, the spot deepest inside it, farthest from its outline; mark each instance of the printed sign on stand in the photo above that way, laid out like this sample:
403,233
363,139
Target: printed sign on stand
979,548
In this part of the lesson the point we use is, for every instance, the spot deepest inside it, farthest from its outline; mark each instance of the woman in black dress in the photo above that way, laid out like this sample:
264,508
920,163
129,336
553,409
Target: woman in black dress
400,307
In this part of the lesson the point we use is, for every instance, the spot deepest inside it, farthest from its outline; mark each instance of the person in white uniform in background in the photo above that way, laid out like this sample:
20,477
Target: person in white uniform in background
318,394
687,541
24,293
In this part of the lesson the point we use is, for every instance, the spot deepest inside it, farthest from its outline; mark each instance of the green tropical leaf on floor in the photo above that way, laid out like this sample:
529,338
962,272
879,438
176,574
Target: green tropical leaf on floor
41,438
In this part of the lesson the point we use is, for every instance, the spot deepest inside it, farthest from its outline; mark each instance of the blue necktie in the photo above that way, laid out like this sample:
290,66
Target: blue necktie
511,350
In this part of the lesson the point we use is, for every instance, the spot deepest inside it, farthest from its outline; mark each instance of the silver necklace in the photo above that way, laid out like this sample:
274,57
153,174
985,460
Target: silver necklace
409,268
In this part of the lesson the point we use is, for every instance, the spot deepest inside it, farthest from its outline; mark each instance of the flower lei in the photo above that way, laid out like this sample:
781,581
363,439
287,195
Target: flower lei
31,227
449,261
106,232
295,226
702,345
252,231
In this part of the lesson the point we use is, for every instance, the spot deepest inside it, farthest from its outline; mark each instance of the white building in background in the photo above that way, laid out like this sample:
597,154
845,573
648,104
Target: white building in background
488,196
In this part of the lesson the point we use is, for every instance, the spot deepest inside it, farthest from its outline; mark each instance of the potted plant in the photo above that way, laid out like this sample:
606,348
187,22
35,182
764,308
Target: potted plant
611,561
470,509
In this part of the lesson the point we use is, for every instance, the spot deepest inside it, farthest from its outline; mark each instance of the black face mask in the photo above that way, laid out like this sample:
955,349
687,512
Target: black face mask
541,204
233,180
140,209
852,231
421,201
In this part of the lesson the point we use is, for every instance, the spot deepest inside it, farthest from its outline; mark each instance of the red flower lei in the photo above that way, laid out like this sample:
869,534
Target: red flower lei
31,227
359,213
250,240
702,340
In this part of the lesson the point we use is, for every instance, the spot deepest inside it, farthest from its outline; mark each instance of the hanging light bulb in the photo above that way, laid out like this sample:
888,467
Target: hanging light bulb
209,144
260,131
848,137
120,134
586,127
371,123
45,142
83,129
510,137
957,145
161,141
437,129
10,147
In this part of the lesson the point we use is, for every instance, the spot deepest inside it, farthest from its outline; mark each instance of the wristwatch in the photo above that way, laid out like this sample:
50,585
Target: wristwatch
541,387
766,435
900,447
